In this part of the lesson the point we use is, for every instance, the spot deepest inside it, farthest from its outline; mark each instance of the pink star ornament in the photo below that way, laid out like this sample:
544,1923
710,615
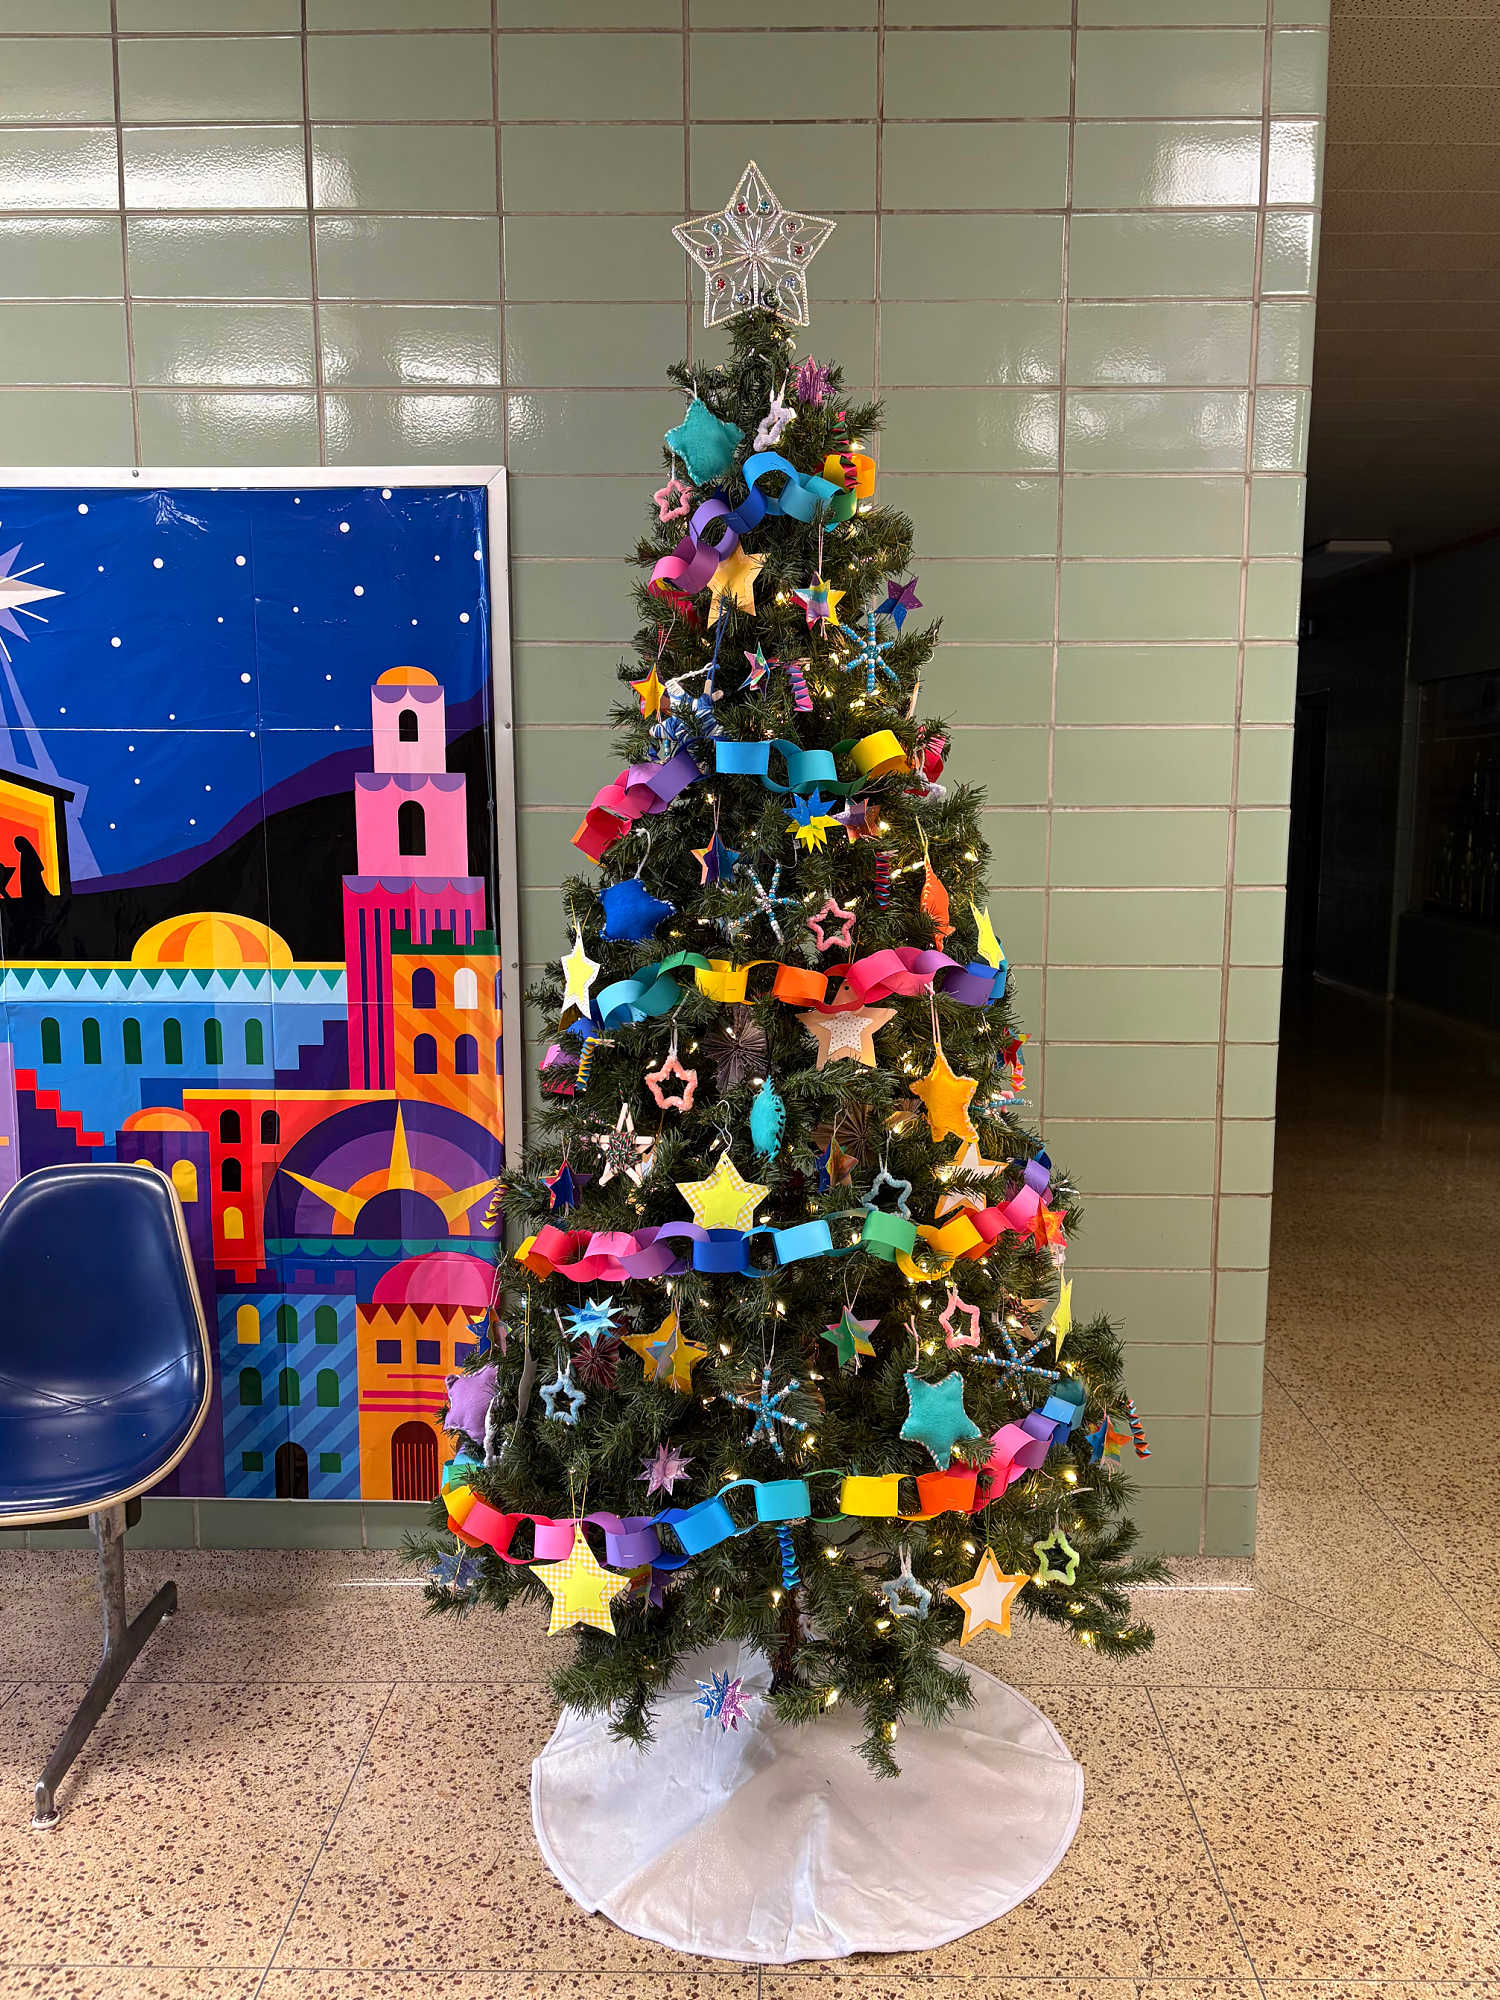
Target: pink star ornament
832,927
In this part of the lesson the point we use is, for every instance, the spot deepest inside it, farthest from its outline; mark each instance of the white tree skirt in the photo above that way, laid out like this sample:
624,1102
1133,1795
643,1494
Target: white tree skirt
771,1844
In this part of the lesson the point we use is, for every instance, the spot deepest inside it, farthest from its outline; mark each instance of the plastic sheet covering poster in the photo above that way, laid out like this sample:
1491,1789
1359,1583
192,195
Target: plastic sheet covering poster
248,908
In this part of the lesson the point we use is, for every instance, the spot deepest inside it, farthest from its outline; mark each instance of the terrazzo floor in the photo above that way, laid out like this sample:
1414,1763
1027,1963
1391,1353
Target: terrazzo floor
306,1791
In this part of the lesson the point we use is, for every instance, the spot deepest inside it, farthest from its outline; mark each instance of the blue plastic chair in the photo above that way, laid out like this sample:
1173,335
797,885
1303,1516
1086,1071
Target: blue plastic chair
105,1373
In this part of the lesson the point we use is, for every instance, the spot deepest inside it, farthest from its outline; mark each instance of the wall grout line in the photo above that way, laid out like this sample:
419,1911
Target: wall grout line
310,191
125,293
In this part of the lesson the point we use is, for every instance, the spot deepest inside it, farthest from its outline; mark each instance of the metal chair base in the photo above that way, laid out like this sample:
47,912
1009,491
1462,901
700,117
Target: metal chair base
123,1641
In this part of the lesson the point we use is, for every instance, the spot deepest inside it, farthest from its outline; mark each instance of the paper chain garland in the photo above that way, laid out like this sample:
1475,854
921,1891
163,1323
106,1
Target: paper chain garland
634,1541
695,558
622,1257
901,971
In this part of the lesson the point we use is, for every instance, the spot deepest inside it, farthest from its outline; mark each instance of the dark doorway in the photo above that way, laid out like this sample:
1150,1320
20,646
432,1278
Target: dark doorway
414,1462
291,1472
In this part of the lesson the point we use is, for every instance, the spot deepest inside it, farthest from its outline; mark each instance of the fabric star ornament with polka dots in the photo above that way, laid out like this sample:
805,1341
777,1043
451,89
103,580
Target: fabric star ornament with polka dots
848,1036
754,253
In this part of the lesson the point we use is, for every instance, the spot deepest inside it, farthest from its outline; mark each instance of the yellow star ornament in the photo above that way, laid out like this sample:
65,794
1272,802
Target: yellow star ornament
581,1588
651,692
579,972
734,579
666,1355
987,1598
986,944
1061,1323
726,1200
946,1099
969,1160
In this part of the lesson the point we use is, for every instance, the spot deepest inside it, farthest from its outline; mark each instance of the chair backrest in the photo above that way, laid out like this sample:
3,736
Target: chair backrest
105,1358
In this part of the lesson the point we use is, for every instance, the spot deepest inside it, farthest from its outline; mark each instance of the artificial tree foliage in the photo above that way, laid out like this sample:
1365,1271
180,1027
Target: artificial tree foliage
833,1636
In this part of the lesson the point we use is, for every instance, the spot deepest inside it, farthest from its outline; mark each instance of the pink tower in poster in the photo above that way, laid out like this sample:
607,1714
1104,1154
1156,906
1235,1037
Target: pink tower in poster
412,843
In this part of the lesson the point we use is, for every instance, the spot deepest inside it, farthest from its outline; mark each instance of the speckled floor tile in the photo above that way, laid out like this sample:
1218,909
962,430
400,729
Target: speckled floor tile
97,1982
687,1983
388,1890
888,1981
188,1827
1355,1835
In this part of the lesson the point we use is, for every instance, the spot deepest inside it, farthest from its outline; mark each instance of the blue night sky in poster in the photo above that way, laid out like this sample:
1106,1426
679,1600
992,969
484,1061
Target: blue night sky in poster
256,619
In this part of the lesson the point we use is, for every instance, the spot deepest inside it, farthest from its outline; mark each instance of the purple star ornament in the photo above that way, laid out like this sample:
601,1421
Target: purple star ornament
469,1399
663,1468
900,598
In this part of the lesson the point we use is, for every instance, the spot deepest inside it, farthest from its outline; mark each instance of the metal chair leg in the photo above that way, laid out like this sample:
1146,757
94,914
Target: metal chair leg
122,1642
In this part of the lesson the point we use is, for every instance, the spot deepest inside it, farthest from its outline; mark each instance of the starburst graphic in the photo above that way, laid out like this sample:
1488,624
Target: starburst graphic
18,593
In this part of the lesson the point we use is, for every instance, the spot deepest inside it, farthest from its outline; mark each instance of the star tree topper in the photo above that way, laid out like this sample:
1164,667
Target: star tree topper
754,253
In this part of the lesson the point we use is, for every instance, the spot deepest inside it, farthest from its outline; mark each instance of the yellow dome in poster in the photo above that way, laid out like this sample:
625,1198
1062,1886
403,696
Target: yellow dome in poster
211,938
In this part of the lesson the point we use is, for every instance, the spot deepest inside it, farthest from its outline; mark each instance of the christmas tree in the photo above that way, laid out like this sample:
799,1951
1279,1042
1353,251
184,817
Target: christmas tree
783,1349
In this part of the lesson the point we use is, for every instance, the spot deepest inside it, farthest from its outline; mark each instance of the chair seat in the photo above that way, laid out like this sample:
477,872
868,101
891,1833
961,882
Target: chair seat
56,1453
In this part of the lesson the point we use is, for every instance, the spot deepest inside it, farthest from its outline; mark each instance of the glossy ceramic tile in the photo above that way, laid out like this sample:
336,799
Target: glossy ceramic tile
244,167
240,429
70,342
1208,74
432,168
381,346
57,82
568,168
59,168
1162,256
396,76
239,346
60,257
438,257
247,79
226,257
975,165
945,75
1177,164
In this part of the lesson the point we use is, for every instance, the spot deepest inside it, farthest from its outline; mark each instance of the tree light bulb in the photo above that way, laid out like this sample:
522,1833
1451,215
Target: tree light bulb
775,1596
830,1698
1070,1477
882,1624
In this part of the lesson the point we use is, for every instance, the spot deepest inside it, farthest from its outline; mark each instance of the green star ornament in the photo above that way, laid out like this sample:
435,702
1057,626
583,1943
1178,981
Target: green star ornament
937,1417
1049,1572
850,1338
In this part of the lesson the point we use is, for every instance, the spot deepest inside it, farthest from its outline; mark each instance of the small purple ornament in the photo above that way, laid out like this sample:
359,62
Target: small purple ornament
812,383
469,1399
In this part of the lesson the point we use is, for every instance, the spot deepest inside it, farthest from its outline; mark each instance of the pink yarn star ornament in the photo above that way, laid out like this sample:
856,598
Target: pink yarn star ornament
681,1100
674,501
950,1312
832,927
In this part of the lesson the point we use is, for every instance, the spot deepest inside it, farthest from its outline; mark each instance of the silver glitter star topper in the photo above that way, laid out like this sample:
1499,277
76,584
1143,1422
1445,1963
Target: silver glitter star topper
754,253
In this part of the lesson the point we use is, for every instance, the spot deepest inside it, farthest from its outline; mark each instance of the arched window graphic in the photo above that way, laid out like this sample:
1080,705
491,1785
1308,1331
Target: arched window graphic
229,1128
249,1388
92,1050
130,1039
288,1389
247,1328
414,1462
424,1056
171,1040
423,988
213,1042
286,1324
406,726
465,989
234,1226
291,1472
499,988
411,828
185,1180
328,1389
229,1177
255,1045
51,1041
326,1326
466,1056
270,1128
499,1055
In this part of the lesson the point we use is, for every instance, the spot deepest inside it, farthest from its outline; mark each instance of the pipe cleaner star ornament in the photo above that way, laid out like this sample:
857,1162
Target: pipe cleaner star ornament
950,1313
810,819
1048,1571
832,928
774,422
900,1188
868,652
580,1588
753,253
904,1596
767,1411
674,501
681,1100
820,605
987,1598
899,599
847,1036
851,1339
937,1417
666,1355
663,1469
723,1701
563,1389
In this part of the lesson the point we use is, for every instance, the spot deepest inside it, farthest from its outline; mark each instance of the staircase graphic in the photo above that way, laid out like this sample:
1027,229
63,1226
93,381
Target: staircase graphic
321,1065
50,1135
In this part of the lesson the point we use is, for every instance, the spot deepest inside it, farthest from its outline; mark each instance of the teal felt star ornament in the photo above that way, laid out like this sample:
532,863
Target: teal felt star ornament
937,1417
1048,1571
706,444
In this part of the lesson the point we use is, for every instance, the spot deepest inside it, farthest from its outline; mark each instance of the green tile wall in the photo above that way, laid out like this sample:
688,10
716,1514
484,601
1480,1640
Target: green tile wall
1076,252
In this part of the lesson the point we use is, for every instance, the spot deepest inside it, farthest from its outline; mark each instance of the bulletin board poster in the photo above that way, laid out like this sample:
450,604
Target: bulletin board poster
251,931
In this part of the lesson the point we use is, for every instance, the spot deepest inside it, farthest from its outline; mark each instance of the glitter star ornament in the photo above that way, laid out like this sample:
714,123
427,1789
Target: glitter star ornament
723,1701
734,579
832,928
774,422
579,972
946,1097
624,1150
820,605
754,253
987,1598
663,1469
848,1036
850,1338
580,1588
726,1200
706,444
667,1355
937,1417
